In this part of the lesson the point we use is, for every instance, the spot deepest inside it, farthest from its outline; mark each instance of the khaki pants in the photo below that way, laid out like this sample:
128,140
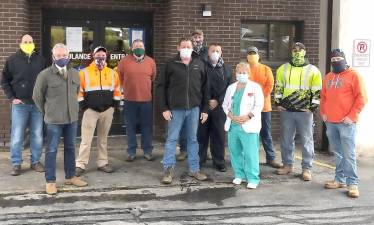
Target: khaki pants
89,121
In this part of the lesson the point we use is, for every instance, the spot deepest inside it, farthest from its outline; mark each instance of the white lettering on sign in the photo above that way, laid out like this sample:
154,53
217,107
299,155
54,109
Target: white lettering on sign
117,56
361,53
79,56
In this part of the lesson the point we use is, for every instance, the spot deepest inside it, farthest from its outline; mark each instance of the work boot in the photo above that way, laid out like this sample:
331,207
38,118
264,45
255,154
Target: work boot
274,164
16,170
334,185
182,156
76,181
38,167
168,176
198,176
353,191
79,171
130,158
149,157
106,169
50,188
285,169
307,175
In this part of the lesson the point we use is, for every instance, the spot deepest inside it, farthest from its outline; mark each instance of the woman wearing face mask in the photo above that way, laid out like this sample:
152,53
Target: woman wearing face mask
243,104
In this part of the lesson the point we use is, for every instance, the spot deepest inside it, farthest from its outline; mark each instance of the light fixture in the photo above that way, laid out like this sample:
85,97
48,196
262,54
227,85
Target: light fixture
207,10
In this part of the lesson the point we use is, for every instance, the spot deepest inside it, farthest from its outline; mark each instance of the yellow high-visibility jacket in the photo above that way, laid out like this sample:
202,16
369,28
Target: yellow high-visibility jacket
298,88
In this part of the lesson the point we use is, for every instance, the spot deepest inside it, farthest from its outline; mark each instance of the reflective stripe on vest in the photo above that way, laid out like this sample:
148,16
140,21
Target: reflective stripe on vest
87,83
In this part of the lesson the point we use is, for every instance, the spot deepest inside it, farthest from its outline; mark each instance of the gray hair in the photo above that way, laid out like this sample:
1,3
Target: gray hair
244,65
60,45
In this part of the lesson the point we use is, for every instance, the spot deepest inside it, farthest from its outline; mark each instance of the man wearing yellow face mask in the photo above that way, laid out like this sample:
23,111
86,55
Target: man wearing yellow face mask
19,75
262,75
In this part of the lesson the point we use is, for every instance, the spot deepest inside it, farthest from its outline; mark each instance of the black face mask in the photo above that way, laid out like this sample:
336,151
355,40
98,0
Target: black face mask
339,66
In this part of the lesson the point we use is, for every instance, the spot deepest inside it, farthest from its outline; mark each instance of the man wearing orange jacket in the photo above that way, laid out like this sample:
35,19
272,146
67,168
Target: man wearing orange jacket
342,98
98,95
262,75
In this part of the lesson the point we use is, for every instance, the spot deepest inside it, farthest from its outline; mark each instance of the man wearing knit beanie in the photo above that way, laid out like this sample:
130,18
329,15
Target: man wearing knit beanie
342,98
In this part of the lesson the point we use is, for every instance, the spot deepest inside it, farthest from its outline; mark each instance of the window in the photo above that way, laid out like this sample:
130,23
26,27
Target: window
273,39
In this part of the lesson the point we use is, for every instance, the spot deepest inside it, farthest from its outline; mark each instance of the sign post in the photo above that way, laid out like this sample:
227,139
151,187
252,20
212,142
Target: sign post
361,53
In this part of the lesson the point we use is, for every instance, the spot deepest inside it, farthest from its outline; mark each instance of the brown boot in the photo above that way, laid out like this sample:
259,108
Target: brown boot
16,170
285,169
353,191
76,181
50,188
198,176
334,185
274,164
79,171
38,167
107,169
168,176
182,156
307,175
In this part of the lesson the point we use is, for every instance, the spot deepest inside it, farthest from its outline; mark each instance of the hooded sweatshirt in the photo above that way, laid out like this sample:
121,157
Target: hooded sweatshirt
342,95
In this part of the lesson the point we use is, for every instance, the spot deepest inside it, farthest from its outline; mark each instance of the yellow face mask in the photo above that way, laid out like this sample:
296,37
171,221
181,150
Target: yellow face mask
27,48
253,59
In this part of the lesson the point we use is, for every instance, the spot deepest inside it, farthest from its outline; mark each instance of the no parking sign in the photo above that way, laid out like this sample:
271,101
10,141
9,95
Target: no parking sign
361,53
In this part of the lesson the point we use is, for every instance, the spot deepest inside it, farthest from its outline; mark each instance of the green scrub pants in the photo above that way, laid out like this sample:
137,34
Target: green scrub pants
244,151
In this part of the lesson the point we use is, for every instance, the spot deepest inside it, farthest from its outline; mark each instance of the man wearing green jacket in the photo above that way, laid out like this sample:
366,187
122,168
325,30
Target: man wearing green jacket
297,95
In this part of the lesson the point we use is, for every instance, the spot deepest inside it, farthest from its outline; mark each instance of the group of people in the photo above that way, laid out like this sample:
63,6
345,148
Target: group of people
201,101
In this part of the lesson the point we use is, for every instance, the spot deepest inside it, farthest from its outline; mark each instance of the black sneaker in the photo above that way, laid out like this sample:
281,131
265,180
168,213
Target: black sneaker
16,170
221,168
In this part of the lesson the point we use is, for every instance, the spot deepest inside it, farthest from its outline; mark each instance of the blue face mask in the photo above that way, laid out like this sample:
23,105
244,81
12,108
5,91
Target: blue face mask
242,77
61,62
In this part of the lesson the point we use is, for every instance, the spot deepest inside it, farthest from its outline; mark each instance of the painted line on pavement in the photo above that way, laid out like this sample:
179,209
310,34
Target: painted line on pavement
318,163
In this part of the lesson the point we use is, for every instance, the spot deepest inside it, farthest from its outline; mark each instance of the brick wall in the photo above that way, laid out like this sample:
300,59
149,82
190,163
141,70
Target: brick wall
225,23
172,20
13,23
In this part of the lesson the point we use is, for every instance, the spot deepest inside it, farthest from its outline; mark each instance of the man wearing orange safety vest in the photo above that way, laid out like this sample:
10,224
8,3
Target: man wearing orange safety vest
98,96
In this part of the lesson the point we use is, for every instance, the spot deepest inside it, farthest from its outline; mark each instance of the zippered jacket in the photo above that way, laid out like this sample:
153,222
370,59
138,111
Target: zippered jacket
298,88
184,86
99,89
19,75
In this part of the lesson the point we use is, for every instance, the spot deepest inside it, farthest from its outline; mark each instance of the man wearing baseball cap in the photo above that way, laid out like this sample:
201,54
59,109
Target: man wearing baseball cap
99,93
263,75
297,95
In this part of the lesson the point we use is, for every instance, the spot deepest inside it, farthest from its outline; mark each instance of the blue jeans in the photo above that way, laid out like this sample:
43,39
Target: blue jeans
24,116
303,123
54,133
183,139
342,142
191,119
265,134
138,113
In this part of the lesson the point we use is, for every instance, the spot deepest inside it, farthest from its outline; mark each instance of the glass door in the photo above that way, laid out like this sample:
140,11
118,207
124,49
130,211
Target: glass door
82,31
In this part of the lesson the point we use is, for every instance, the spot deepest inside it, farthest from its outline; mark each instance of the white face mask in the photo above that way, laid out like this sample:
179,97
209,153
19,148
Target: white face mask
242,77
185,53
215,56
